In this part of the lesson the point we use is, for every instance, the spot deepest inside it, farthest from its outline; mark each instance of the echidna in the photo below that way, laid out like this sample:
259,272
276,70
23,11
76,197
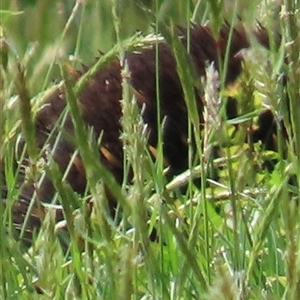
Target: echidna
101,110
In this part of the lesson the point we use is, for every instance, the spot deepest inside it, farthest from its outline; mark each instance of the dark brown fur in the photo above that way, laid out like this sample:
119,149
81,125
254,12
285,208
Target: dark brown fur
100,104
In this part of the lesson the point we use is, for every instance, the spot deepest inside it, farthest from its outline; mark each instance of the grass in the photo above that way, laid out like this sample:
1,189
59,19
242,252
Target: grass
236,239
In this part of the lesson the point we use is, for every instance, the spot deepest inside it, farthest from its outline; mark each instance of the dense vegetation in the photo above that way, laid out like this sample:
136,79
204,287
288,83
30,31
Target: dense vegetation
237,237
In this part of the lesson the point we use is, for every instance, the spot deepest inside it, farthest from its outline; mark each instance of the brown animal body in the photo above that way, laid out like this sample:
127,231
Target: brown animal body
101,109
